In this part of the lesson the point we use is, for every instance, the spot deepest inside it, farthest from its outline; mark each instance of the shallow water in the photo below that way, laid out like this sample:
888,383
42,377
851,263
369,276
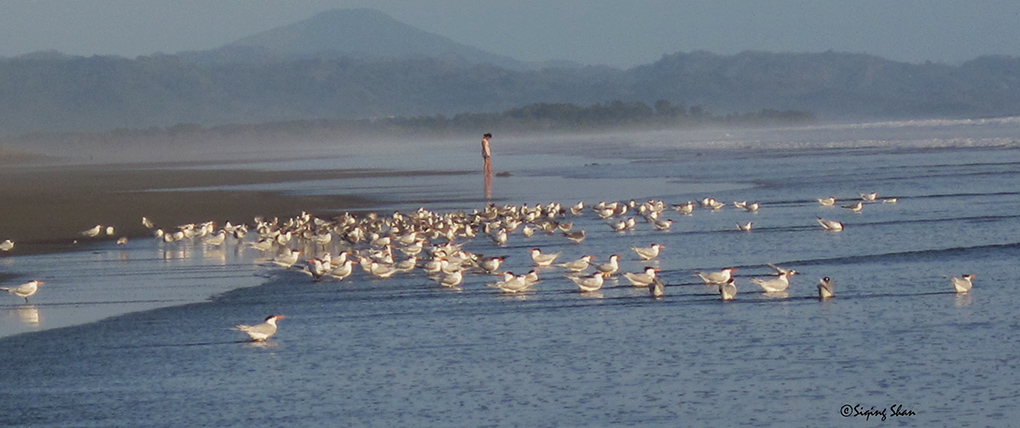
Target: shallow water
405,352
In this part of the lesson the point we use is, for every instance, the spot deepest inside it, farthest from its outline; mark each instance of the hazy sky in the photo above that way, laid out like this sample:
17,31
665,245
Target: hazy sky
614,32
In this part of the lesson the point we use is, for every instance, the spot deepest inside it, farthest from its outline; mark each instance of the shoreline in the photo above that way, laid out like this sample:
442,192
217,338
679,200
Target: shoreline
46,207
48,204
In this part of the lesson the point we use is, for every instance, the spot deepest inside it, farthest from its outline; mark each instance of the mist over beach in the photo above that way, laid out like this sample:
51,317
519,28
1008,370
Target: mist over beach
164,201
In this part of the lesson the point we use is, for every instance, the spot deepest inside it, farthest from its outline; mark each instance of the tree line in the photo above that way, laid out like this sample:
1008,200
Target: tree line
533,118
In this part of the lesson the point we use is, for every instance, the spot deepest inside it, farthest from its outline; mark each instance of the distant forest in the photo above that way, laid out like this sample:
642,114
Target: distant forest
96,94
534,118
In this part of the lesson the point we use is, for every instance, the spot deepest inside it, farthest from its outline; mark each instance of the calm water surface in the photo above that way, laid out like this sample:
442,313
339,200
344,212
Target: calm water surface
405,352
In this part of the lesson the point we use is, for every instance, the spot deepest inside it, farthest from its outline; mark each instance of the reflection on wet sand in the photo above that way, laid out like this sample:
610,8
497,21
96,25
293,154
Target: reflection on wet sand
264,344
26,314
218,256
488,181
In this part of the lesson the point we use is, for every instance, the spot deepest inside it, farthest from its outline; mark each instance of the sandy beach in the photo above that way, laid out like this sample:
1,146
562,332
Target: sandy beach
46,207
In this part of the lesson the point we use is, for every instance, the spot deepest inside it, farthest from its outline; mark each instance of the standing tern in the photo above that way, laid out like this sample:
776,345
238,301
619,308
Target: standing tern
716,278
542,260
512,283
25,290
93,232
781,270
830,225
288,258
855,207
658,288
662,224
869,196
962,284
343,271
577,265
827,202
491,264
826,288
589,283
575,236
610,267
775,285
648,253
728,290
643,279
686,209
452,280
260,332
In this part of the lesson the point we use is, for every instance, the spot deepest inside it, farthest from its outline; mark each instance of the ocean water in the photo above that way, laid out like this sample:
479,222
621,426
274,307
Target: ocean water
140,335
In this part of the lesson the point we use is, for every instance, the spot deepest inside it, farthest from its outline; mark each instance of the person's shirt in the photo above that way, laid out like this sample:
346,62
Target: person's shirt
485,148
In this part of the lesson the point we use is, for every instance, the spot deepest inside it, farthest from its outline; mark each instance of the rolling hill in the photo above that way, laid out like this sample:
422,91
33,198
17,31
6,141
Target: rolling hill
349,64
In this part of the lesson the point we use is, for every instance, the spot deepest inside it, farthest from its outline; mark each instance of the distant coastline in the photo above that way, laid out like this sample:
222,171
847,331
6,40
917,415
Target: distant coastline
531,119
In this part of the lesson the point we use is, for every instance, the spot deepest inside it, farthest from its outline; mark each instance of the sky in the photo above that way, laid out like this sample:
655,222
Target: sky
611,32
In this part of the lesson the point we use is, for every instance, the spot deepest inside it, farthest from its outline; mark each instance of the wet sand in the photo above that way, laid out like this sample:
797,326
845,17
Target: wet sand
46,204
46,207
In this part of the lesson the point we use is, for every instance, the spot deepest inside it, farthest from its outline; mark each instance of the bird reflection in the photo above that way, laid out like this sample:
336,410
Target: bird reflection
264,344
29,314
26,314
215,255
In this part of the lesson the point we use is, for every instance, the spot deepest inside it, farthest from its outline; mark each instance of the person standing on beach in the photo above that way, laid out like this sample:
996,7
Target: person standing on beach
487,157
486,153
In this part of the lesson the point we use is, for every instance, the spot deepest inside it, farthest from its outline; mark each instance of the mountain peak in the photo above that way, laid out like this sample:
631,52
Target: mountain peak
359,33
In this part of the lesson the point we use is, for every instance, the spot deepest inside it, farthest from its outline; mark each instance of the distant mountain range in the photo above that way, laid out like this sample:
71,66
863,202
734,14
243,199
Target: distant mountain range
360,63
353,33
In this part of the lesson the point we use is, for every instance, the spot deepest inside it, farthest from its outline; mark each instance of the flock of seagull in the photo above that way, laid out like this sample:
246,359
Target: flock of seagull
383,246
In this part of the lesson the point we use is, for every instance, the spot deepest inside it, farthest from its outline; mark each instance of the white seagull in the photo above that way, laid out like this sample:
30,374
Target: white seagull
7,245
260,332
25,290
827,202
